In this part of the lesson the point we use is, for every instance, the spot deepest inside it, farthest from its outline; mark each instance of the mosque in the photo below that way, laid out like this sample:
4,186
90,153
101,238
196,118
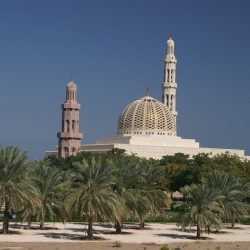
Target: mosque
146,127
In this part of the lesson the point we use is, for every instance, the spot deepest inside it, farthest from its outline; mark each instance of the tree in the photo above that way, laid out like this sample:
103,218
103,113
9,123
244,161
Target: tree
151,194
126,178
92,193
178,158
229,163
177,171
140,184
47,182
14,186
233,191
186,176
201,208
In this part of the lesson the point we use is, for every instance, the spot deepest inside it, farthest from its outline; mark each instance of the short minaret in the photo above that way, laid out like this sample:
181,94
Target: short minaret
70,137
169,80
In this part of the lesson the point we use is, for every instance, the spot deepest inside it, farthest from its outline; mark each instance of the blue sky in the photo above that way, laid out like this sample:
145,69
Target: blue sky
115,49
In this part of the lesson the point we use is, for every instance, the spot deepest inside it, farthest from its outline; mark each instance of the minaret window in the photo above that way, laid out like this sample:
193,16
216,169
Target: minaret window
73,125
167,97
168,75
66,151
171,103
67,124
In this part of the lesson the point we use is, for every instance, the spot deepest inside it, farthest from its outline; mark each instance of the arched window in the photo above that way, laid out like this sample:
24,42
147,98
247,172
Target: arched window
67,123
73,125
167,98
66,151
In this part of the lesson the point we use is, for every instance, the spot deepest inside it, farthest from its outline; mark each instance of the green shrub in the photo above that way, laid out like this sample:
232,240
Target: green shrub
246,220
164,247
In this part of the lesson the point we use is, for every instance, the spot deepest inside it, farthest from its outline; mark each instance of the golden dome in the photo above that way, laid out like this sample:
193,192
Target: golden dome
146,116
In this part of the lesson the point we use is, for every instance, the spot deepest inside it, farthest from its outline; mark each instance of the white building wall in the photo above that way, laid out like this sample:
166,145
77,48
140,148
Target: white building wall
157,152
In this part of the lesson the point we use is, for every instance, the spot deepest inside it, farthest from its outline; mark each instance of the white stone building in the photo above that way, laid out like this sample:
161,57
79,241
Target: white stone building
146,127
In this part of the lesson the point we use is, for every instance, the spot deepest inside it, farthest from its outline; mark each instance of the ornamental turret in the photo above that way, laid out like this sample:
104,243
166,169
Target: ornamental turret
169,85
70,138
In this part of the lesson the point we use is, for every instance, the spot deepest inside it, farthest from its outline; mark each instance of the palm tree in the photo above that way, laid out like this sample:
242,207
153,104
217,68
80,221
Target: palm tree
151,194
128,185
47,182
233,191
28,208
92,193
15,190
201,208
138,184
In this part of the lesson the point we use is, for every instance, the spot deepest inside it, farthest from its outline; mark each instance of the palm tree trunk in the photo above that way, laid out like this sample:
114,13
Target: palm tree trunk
171,195
90,228
42,219
141,222
233,221
41,224
6,217
208,229
118,227
29,222
198,231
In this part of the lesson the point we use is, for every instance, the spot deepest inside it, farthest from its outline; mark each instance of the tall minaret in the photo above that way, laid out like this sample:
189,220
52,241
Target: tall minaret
169,80
70,137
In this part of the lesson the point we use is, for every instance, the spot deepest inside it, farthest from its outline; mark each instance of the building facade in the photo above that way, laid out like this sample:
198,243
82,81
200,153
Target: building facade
146,127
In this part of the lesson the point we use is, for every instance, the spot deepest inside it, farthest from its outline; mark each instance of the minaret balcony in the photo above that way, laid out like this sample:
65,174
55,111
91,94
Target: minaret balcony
170,59
72,135
170,85
75,106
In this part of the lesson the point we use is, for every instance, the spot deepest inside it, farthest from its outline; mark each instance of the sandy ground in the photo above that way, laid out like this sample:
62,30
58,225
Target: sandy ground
124,246
153,237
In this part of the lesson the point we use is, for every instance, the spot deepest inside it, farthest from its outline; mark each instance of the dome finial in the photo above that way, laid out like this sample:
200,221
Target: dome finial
148,91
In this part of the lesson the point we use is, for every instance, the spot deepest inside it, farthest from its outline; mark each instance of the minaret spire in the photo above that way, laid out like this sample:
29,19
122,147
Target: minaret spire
70,137
169,79
148,89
